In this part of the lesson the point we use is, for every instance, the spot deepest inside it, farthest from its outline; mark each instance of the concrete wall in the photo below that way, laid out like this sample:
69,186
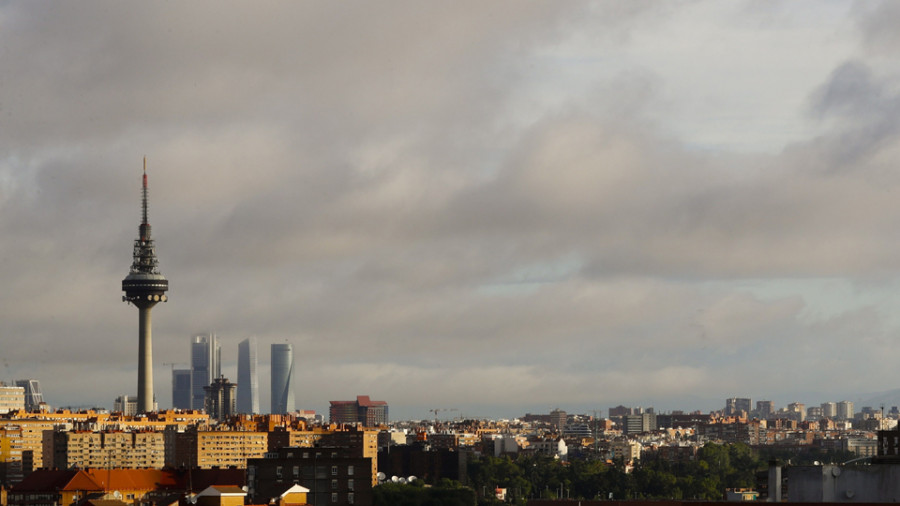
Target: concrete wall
874,483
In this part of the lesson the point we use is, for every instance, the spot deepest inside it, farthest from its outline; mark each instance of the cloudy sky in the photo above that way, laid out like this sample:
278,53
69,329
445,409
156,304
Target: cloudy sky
500,207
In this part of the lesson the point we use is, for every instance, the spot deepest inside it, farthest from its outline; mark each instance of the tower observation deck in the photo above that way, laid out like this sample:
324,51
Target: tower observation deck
144,287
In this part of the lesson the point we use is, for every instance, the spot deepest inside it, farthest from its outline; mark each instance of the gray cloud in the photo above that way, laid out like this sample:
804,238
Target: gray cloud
429,199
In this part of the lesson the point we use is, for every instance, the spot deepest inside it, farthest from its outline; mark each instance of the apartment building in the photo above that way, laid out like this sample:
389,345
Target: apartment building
333,476
205,448
76,449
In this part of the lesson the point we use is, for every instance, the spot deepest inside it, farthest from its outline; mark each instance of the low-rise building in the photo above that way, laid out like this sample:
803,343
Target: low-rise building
332,475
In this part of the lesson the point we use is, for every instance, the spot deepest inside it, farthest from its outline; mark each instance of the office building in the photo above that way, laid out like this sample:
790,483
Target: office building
363,411
206,354
636,424
33,396
221,401
181,388
282,361
735,405
248,382
144,287
765,409
558,419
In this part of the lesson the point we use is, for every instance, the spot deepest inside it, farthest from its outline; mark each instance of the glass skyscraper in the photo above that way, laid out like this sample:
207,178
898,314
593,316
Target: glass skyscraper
247,382
181,388
282,378
206,358
33,395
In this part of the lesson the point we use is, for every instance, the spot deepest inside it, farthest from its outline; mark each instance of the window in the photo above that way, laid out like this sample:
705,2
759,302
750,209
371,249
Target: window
334,497
278,472
333,484
296,471
349,484
350,470
334,470
350,498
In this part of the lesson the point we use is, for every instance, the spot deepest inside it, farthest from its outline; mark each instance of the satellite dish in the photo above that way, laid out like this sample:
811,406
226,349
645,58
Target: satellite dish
381,476
395,479
411,479
402,481
117,495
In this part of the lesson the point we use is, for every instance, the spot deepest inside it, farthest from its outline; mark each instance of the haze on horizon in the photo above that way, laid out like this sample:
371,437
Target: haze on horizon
500,207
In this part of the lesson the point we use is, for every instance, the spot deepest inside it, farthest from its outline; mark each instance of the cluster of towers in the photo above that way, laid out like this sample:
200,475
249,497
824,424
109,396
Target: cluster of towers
144,287
190,387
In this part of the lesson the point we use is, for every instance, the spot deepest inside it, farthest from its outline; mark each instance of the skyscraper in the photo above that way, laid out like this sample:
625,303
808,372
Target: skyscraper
282,378
144,287
206,357
248,383
181,388
33,395
220,398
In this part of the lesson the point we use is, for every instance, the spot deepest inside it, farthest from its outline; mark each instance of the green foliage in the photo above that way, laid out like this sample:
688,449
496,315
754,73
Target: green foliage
447,493
716,468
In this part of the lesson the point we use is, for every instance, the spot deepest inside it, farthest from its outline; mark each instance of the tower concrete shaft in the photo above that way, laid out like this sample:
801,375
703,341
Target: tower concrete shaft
144,287
145,361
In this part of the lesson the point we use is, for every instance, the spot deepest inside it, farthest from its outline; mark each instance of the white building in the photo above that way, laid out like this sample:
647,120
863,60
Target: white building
11,398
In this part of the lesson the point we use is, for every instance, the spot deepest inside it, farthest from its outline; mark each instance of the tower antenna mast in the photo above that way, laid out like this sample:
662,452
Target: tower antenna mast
144,287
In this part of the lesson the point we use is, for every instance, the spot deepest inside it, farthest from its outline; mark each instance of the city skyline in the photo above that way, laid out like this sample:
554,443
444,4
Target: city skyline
497,208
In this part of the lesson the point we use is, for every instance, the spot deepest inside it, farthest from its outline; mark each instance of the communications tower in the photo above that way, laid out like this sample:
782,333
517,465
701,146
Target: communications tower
144,287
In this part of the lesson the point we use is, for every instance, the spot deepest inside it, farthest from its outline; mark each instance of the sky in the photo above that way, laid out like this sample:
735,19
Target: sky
493,208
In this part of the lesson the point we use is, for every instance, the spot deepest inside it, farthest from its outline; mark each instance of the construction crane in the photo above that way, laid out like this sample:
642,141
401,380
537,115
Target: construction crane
436,410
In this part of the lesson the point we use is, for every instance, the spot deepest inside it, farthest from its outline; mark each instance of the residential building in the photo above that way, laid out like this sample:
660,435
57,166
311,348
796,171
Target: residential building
34,425
333,476
77,449
829,410
845,410
12,398
282,363
363,411
248,382
625,449
128,405
221,401
132,487
125,404
796,411
206,449
11,445
206,359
